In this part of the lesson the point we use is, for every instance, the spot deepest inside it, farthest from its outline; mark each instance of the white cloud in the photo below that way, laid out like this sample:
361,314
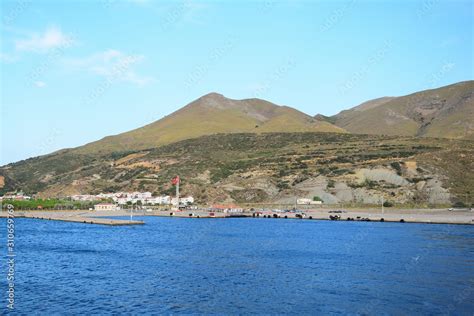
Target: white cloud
449,42
40,84
195,11
140,2
111,64
52,38
7,58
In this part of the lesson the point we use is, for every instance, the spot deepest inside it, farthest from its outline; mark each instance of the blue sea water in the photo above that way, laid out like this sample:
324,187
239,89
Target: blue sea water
241,266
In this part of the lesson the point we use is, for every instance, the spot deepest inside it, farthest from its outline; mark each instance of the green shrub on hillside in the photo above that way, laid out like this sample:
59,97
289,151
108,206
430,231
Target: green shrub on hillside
387,204
459,204
396,165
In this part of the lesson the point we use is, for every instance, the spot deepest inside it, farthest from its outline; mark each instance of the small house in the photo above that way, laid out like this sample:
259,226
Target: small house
105,207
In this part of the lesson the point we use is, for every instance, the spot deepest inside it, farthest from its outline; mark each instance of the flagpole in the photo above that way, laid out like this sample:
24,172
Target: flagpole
177,191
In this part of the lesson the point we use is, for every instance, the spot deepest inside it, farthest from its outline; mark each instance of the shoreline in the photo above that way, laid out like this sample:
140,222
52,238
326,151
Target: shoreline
427,216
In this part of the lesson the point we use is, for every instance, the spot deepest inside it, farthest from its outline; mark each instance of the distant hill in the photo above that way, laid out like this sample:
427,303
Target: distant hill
446,112
368,105
212,114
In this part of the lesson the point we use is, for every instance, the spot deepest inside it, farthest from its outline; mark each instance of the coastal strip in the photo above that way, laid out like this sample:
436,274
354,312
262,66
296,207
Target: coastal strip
369,215
414,216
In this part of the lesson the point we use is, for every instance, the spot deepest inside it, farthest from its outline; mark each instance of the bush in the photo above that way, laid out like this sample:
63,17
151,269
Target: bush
369,184
317,198
339,172
395,165
387,204
282,185
221,173
324,171
459,204
283,173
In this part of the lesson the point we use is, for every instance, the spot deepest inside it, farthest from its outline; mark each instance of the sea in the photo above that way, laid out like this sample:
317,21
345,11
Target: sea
239,266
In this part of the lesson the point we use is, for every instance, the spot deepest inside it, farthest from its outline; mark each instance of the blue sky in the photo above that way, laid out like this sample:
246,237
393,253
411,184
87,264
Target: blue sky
74,73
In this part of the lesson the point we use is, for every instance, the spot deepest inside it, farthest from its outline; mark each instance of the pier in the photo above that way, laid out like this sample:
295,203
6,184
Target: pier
72,216
369,215
363,215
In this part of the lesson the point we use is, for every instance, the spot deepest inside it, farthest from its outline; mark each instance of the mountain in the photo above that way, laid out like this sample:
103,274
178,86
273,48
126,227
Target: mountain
252,151
446,112
212,114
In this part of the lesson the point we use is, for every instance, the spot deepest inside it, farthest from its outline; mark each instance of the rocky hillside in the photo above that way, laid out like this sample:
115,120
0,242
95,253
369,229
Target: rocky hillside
212,114
444,112
273,167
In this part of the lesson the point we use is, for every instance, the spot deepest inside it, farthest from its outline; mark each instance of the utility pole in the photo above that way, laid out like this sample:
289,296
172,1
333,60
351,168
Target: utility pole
296,199
382,204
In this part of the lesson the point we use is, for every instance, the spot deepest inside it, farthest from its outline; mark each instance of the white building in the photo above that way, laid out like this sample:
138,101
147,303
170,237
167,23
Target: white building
16,196
161,200
132,197
84,197
304,201
187,200
142,196
145,198
182,201
106,207
227,208
107,195
122,200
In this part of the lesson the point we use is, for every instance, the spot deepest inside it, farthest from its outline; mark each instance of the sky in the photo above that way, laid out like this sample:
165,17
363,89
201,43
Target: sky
76,71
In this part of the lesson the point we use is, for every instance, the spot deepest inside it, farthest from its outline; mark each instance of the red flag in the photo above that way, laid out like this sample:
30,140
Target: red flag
175,180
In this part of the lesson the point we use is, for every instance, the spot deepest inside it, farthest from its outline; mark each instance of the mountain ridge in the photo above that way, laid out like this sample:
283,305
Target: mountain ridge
212,114
446,112
427,113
